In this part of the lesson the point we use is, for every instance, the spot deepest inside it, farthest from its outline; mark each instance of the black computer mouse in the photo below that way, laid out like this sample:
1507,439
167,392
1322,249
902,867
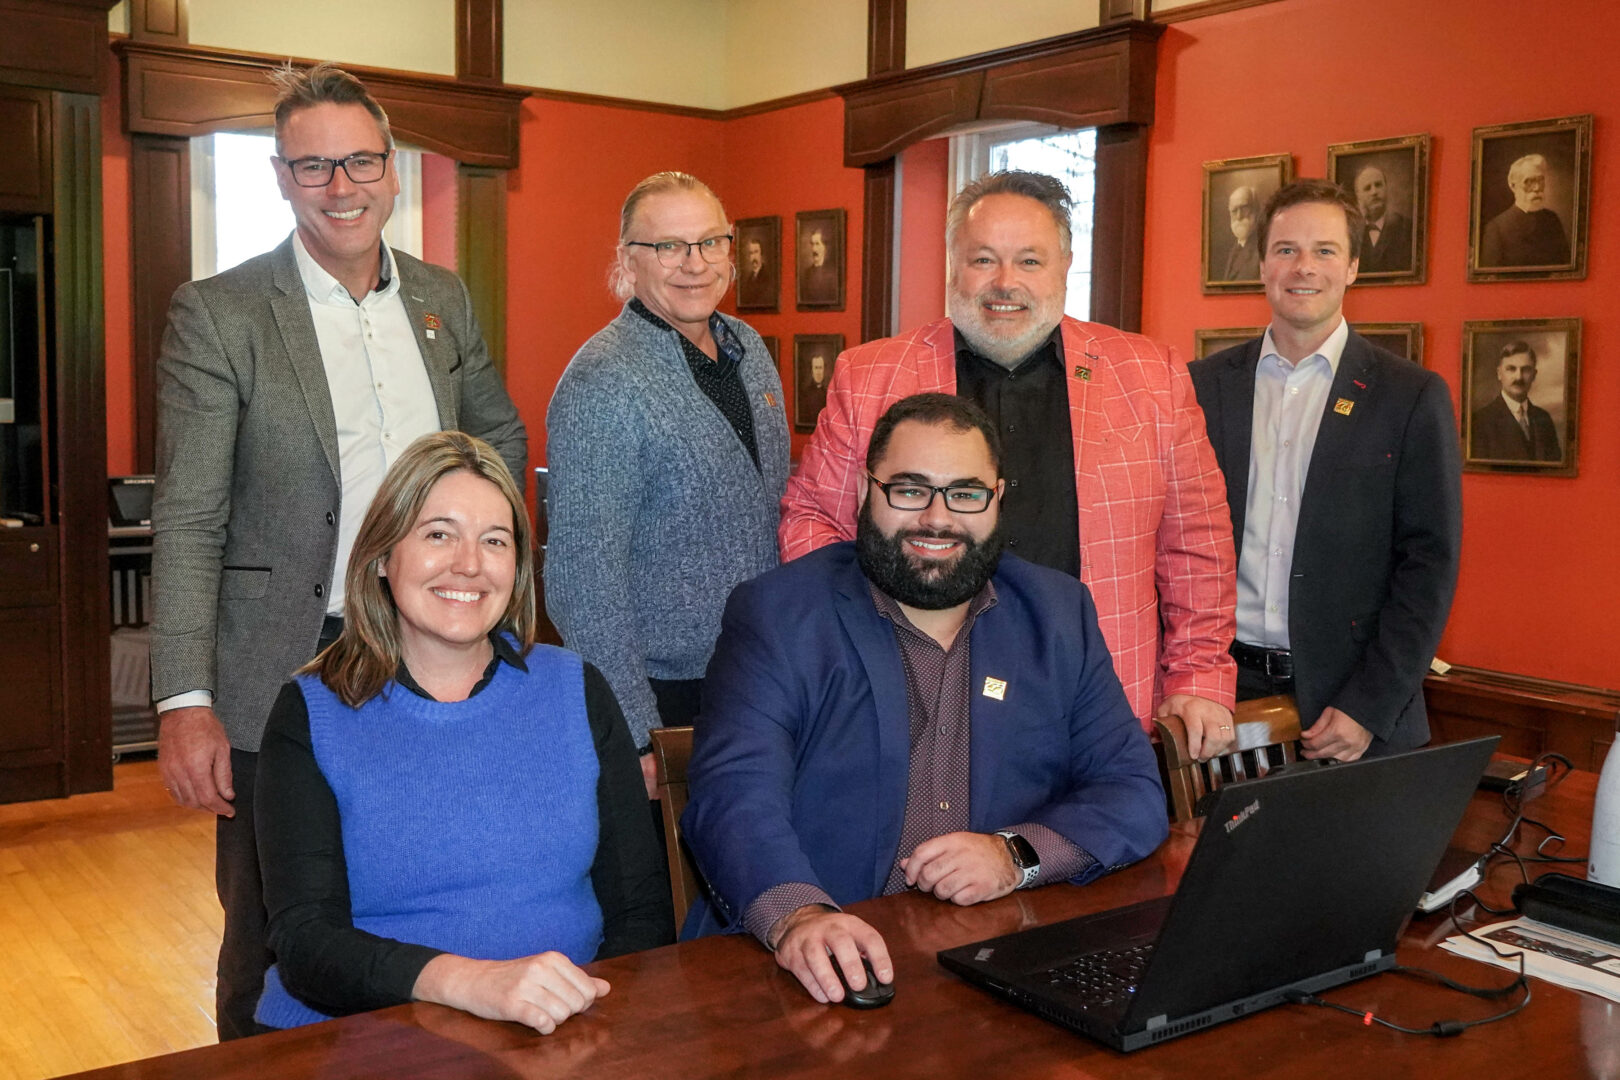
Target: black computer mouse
875,994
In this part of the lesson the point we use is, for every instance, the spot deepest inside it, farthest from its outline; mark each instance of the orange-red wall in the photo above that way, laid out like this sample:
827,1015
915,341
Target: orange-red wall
115,279
924,184
780,163
1539,584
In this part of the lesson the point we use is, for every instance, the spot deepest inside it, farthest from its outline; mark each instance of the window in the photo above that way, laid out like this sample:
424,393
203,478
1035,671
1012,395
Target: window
1071,156
237,210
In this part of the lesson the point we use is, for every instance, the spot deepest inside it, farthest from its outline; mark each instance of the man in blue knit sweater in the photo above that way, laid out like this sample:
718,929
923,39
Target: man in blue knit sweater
668,450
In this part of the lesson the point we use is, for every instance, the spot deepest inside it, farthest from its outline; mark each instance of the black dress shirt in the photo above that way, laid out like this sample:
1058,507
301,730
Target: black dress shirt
307,898
719,378
1029,406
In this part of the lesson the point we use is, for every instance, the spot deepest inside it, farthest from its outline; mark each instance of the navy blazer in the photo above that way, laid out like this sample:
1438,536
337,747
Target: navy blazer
800,764
1379,535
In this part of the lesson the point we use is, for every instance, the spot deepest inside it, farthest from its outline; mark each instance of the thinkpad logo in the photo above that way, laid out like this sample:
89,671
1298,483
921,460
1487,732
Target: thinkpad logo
1243,815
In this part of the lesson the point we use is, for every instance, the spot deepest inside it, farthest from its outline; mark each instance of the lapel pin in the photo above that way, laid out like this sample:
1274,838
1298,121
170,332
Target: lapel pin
431,321
1082,373
1343,406
770,400
995,688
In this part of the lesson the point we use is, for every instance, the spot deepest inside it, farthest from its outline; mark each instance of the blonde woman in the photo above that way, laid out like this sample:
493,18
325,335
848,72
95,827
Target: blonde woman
448,811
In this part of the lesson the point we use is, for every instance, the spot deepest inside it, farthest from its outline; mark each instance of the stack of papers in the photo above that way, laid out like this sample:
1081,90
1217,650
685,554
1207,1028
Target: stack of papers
1558,956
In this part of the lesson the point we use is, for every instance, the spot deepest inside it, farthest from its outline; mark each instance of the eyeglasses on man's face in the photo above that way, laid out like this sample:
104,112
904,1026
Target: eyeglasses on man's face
672,253
912,496
365,167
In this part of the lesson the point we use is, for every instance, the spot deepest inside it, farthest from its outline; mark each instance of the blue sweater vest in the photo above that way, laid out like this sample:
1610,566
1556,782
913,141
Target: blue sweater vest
468,826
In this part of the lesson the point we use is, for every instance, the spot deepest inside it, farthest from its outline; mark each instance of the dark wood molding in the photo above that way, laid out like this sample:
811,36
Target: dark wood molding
1199,11
1119,223
1532,715
81,403
885,36
160,245
878,251
788,102
1093,78
25,168
165,21
479,45
54,44
481,252
190,90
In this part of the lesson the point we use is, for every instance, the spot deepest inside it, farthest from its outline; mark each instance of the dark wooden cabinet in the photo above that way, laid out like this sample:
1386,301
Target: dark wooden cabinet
55,711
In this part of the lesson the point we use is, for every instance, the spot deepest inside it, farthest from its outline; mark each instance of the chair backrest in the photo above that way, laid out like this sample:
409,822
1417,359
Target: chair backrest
672,748
1267,732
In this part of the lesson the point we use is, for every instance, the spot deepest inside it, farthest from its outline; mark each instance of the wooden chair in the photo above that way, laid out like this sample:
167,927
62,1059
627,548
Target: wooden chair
1267,732
672,748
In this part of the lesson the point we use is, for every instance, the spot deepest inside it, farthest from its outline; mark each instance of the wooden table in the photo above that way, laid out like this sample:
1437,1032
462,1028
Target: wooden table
719,1007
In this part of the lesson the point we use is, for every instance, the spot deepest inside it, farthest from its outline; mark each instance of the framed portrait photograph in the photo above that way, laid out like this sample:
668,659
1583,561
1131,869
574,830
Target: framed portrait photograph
1401,338
1389,179
1520,392
813,358
1529,201
819,251
759,264
1210,342
1235,190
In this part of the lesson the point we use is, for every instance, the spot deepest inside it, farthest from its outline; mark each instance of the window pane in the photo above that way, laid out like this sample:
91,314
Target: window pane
250,216
1071,156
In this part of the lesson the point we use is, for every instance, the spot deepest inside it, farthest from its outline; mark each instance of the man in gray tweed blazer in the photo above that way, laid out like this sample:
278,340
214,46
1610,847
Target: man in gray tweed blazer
286,387
668,449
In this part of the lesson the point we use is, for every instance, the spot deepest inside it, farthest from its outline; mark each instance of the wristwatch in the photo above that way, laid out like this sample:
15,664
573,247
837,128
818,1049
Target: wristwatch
1024,858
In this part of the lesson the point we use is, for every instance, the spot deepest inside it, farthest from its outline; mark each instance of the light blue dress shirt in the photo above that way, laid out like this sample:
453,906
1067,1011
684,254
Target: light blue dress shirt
1289,400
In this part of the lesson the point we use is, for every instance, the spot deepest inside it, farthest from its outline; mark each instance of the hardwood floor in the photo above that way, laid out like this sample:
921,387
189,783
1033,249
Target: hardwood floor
109,928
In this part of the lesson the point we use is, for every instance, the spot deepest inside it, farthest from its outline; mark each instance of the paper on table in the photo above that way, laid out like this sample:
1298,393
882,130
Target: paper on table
1580,963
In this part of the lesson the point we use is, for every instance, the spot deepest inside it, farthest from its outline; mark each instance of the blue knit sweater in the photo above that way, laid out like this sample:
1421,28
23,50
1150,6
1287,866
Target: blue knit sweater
439,850
655,508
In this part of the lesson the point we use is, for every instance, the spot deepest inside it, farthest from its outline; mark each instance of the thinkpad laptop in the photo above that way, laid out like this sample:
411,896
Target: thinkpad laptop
1300,881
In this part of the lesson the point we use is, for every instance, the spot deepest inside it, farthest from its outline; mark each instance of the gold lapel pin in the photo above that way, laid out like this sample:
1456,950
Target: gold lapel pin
1343,406
1082,373
995,688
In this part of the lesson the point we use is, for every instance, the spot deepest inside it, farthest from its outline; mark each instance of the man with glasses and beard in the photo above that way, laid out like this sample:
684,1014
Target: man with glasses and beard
913,709
1110,476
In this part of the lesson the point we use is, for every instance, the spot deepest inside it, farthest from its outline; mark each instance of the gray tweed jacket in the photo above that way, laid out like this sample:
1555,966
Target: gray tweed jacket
656,510
245,510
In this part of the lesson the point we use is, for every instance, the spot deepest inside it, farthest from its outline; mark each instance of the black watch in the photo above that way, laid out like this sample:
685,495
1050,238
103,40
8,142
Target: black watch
1023,856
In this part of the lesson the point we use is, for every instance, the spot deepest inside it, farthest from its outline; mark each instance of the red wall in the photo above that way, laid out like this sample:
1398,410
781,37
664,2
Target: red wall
1296,76
115,279
439,210
780,163
924,185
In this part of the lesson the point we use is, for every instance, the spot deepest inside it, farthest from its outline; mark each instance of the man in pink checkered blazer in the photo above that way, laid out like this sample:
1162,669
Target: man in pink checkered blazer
1138,510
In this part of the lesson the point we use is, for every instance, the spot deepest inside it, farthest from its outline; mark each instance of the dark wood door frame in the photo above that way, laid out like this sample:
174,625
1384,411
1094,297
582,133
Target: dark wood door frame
1102,78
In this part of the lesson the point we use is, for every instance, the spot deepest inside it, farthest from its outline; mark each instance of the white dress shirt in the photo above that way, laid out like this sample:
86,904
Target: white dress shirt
1288,403
381,398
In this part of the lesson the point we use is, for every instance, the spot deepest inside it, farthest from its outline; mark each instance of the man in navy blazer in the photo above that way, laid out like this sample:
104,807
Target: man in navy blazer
910,710
1343,476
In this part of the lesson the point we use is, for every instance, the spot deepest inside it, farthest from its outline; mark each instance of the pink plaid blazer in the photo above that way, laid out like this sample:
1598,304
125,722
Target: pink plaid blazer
1155,534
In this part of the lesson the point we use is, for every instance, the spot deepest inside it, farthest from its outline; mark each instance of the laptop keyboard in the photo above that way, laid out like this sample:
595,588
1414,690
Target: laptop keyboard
1102,979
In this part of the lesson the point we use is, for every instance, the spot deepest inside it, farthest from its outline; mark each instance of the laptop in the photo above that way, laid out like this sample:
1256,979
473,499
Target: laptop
1301,880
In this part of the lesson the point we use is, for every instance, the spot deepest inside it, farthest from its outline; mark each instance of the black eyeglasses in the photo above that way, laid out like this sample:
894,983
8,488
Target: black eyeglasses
673,253
912,496
365,167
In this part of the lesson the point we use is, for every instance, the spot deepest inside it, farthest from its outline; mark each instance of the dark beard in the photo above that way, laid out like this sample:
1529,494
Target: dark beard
885,563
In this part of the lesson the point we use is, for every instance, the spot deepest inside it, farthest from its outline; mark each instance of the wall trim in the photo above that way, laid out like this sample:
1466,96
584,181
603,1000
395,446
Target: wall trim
1199,11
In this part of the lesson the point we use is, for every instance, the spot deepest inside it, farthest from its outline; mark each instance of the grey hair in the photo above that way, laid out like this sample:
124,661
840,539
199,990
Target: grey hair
323,84
656,184
1046,190
1517,170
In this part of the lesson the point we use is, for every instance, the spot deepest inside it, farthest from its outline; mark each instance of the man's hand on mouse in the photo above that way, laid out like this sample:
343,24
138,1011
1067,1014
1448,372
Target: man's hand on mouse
810,940
962,867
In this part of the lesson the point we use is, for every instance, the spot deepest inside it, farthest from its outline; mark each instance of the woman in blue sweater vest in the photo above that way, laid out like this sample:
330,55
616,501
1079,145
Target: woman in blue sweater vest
446,811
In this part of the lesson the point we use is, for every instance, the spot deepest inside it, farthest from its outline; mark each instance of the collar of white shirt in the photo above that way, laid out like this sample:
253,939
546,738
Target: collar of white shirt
1515,406
1331,350
323,288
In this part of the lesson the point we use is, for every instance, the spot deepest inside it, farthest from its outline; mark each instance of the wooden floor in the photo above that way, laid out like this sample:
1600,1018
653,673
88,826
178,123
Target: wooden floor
109,928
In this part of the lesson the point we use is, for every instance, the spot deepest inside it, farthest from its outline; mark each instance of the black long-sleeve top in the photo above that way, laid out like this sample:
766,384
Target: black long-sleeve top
334,967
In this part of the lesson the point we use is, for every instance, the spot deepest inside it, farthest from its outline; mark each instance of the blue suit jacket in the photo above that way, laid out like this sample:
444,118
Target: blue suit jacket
799,768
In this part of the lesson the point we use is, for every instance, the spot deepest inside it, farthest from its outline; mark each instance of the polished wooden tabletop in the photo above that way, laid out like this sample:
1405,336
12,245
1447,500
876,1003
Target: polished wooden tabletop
720,1007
